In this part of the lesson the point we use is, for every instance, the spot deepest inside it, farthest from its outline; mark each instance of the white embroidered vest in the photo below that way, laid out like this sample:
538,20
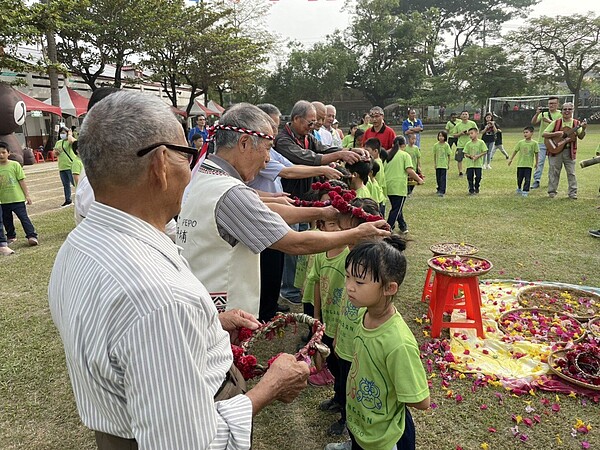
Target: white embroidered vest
230,274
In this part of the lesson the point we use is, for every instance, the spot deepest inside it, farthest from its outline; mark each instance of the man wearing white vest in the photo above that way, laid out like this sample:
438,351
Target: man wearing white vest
223,225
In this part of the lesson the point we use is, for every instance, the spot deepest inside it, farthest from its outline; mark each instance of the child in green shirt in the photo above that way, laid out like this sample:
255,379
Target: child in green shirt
528,150
386,374
398,169
375,188
360,177
441,160
348,141
474,151
415,156
347,319
13,196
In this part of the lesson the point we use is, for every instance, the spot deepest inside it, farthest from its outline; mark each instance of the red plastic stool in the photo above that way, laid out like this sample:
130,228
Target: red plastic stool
51,156
443,301
39,156
440,249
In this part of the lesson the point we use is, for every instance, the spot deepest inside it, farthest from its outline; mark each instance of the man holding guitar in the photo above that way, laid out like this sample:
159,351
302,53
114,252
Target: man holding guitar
560,138
543,116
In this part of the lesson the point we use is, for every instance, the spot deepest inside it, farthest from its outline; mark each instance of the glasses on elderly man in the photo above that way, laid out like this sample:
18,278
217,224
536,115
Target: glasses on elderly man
192,153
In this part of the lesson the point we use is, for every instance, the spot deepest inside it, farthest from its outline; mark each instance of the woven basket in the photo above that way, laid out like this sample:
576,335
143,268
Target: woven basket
560,307
552,364
453,248
594,327
437,269
548,313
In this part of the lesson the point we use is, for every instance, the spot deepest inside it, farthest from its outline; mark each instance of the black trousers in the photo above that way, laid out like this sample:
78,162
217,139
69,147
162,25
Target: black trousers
523,178
440,178
20,211
396,214
474,178
271,272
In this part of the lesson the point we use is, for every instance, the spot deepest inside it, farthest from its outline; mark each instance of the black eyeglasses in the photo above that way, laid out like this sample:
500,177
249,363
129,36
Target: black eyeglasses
311,123
192,153
567,109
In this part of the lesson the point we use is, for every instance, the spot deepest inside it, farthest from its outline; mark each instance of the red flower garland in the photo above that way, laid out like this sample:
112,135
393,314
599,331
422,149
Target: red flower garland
248,364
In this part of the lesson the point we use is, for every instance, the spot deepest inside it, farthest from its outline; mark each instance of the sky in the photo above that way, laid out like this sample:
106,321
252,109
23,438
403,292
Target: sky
310,21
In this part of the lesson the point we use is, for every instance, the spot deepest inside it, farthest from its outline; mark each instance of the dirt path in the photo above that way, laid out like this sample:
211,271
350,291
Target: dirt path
45,188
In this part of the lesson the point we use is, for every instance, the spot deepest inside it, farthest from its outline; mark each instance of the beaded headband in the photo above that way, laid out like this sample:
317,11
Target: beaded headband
215,128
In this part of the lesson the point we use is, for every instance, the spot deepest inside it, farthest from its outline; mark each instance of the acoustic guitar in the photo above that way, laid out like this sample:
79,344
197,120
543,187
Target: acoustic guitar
556,145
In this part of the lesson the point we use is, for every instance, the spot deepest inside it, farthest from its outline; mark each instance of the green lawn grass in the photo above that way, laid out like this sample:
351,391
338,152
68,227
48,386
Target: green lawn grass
534,238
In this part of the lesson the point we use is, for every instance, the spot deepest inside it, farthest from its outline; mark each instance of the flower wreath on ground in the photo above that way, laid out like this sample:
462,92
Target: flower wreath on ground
247,363
340,200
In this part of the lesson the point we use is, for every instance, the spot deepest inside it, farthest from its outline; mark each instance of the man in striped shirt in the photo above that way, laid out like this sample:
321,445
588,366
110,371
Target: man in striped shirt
146,350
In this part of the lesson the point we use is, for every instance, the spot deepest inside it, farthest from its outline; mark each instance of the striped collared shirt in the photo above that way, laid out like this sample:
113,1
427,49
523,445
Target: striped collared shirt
145,350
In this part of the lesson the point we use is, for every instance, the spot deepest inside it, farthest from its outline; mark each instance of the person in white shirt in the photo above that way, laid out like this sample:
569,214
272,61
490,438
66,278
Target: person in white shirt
148,355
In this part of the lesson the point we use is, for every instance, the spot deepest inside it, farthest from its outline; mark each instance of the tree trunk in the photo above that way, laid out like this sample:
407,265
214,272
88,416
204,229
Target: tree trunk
118,70
53,76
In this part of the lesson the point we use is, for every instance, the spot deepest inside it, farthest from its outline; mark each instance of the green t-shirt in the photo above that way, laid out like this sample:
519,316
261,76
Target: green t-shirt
376,190
348,141
364,192
66,156
527,151
396,178
450,127
474,148
304,265
459,128
346,330
386,373
364,126
550,127
10,189
380,177
77,166
330,275
441,155
547,115
415,155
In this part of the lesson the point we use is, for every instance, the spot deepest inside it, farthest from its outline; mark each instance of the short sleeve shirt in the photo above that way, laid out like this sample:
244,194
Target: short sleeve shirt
66,156
10,189
330,275
415,154
441,154
396,177
526,151
386,373
474,148
546,115
460,128
385,135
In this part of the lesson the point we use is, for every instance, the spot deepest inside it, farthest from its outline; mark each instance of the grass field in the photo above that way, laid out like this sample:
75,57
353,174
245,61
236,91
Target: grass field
534,238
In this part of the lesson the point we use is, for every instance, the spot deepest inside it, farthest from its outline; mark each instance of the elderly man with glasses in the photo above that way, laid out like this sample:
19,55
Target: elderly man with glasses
555,132
148,354
379,129
224,225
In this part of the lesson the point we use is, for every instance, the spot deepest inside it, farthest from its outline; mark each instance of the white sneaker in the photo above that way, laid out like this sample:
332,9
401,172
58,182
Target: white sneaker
347,445
5,251
489,166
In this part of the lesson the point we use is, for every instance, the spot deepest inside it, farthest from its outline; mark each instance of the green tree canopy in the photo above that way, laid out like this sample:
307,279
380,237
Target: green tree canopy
482,72
568,47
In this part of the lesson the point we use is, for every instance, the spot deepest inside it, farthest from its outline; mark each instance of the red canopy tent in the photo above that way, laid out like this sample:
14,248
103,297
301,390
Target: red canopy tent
35,105
178,111
215,106
71,102
207,111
